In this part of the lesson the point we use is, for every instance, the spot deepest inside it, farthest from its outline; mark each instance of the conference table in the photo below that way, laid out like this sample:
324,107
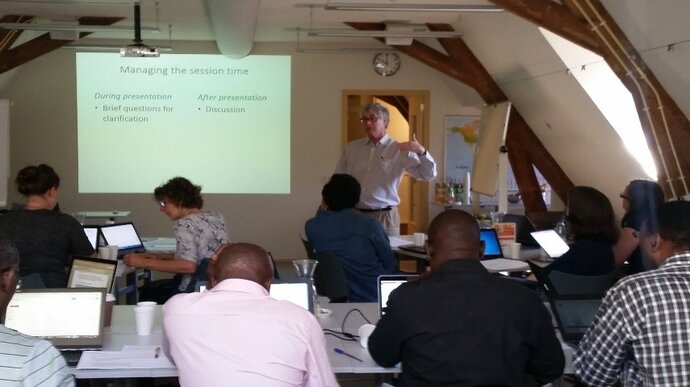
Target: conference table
122,332
495,265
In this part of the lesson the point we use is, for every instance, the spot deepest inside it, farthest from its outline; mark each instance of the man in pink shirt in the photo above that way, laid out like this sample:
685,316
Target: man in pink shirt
235,334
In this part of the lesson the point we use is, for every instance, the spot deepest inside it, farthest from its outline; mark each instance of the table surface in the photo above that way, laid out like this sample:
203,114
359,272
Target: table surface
123,332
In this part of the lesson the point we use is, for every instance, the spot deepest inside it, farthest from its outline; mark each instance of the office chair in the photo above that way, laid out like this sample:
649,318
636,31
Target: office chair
276,276
573,284
311,253
329,278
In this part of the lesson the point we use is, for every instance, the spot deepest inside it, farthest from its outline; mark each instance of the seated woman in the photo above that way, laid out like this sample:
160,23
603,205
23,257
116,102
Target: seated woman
198,234
359,242
45,238
591,227
641,199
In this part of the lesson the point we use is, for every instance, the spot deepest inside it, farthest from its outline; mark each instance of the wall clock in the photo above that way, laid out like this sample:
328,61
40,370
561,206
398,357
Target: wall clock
386,63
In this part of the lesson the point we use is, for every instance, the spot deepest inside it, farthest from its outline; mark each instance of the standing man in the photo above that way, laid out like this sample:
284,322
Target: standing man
639,336
460,325
377,162
25,360
236,334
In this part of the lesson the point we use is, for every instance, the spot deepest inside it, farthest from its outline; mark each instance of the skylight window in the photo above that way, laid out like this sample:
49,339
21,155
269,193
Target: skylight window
609,95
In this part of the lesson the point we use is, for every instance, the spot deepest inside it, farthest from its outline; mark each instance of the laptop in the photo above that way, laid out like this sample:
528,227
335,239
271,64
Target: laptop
492,246
523,228
87,272
551,243
72,319
574,314
386,284
124,236
92,233
299,291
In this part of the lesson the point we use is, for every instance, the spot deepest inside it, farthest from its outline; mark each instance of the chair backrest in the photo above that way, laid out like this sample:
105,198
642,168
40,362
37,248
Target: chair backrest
311,253
329,278
275,268
573,284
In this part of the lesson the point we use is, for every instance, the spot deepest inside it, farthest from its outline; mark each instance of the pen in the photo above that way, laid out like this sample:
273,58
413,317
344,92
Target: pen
340,351
157,353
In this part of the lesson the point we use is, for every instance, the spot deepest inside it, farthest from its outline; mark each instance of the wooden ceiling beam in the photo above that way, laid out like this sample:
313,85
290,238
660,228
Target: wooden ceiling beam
8,37
43,44
524,148
554,17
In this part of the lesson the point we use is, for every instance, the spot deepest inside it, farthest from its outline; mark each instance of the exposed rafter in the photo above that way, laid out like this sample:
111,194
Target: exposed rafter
524,148
8,37
43,44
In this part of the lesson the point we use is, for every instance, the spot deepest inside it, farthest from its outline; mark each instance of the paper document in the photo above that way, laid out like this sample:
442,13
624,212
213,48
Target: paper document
397,241
131,357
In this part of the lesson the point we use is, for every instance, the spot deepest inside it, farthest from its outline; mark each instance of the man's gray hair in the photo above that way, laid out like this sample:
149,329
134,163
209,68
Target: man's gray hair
379,109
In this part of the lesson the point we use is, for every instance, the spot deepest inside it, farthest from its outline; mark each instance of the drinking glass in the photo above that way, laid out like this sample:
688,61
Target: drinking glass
305,269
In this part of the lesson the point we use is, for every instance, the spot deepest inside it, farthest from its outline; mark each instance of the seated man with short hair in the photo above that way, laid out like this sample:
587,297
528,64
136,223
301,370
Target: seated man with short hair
359,242
236,334
25,360
640,336
459,325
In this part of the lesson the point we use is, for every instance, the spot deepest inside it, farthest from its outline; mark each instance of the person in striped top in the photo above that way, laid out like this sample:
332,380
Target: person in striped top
25,360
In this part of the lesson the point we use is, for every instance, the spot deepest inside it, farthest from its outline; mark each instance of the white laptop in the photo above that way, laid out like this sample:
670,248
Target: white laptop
388,283
551,243
124,236
72,319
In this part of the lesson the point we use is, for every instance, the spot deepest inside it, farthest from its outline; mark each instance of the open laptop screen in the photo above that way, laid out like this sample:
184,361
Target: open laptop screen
551,242
92,234
574,314
87,272
386,285
298,291
492,246
122,235
69,318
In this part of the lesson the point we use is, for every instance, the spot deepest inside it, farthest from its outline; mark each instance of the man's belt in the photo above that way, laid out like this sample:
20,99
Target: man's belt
375,209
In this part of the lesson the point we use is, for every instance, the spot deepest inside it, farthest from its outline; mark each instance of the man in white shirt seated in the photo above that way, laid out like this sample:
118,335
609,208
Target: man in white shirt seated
236,334
25,360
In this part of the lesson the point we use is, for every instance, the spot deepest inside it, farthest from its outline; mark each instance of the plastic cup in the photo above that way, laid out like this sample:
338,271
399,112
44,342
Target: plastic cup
515,248
419,238
364,332
104,252
146,304
143,316
113,251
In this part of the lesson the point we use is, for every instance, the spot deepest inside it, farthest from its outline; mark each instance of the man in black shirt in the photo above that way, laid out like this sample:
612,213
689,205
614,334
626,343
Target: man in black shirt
460,325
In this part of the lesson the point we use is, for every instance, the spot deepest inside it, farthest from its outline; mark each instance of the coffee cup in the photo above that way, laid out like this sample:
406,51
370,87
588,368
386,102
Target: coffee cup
419,238
108,314
364,332
144,316
515,248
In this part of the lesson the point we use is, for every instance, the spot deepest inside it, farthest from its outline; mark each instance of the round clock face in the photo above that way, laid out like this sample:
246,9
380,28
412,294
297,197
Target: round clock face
386,63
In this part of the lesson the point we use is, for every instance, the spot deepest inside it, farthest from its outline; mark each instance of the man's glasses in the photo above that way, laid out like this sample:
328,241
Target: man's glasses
369,119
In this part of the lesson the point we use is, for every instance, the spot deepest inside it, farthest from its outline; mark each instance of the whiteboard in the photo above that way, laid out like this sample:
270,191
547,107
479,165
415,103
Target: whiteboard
4,150
492,134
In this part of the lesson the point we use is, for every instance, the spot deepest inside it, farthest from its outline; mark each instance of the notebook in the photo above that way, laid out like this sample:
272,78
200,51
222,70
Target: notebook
92,233
298,291
574,314
86,272
124,236
388,283
551,243
492,246
72,319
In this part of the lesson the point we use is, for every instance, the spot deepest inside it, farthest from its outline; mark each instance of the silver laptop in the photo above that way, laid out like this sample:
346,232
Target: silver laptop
124,236
299,291
87,272
551,243
72,319
388,283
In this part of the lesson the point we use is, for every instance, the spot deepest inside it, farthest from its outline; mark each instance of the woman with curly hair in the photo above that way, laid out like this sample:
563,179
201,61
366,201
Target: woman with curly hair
198,234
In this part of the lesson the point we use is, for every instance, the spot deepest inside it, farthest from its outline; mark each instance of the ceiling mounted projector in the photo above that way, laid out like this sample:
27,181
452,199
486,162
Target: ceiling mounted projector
138,49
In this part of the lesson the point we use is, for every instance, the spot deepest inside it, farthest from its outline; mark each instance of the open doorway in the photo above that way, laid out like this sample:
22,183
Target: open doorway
408,115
